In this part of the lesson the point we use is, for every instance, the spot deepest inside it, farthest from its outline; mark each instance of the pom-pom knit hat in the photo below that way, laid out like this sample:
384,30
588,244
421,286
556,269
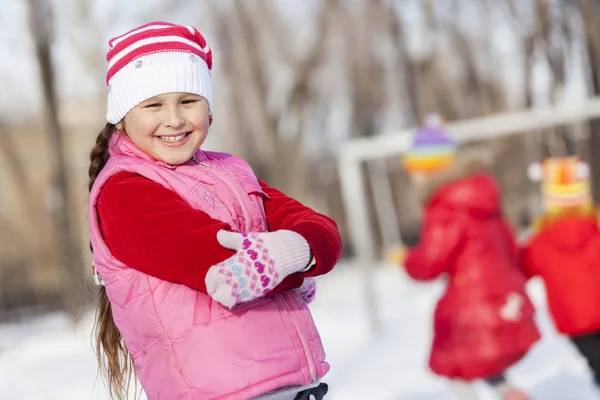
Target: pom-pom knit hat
565,184
432,149
154,59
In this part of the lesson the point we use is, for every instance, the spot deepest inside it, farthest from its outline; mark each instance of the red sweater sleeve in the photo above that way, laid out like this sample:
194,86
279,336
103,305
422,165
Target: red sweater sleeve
151,229
320,231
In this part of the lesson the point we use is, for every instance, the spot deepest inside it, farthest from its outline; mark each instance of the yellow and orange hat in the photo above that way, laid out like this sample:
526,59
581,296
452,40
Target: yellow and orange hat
565,183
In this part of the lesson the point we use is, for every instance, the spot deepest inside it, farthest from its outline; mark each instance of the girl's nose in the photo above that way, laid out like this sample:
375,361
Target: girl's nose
174,119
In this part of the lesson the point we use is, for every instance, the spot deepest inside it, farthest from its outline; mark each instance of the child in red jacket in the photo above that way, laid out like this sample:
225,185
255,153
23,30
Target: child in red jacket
564,251
484,322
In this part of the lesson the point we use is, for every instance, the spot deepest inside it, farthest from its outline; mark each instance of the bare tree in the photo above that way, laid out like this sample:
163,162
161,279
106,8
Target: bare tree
273,133
70,257
589,12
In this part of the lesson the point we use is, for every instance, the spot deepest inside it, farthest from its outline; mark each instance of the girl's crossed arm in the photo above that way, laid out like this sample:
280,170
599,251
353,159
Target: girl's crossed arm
151,229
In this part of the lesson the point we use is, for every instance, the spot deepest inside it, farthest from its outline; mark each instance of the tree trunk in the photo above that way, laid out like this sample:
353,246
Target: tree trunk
69,255
587,13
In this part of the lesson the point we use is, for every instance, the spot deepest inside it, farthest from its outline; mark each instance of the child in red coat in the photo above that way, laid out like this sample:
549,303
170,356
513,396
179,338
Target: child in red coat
484,322
564,251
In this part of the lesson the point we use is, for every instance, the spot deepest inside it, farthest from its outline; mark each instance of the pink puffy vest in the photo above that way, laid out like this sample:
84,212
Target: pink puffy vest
185,345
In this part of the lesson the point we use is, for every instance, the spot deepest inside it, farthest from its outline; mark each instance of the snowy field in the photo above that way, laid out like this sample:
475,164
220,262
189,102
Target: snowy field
48,359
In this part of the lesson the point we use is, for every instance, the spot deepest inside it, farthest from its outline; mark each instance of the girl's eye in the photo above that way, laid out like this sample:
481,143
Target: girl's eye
189,101
152,105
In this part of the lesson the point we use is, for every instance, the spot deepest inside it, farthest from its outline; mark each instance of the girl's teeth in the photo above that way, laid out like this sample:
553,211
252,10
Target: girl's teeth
172,138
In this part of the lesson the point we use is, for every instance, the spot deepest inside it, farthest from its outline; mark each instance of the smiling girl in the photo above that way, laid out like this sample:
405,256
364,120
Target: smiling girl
206,270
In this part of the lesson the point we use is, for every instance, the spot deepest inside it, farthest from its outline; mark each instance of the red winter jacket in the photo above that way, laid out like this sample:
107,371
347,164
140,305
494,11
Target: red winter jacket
147,226
565,252
484,322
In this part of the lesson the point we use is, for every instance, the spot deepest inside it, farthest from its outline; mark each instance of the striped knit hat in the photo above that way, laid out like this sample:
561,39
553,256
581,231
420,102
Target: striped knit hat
565,183
154,59
432,149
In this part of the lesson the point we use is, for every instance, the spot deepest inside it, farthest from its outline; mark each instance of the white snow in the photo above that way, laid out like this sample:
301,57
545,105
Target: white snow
49,359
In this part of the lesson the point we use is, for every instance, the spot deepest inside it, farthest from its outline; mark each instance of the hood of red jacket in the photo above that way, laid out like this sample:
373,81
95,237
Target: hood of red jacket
477,194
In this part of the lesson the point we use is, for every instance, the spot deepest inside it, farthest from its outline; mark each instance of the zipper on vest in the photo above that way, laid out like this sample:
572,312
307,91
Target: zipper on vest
195,159
245,211
309,358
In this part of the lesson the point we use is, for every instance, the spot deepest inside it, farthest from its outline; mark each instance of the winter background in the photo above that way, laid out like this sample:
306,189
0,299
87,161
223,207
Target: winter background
313,75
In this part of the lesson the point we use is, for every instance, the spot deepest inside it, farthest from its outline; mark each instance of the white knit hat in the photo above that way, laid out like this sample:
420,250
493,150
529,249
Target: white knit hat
154,59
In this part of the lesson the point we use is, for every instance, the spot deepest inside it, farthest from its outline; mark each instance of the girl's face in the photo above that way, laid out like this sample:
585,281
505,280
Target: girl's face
169,127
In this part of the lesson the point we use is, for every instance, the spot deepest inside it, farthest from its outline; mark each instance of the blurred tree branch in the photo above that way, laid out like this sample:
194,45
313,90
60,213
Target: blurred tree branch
279,128
589,11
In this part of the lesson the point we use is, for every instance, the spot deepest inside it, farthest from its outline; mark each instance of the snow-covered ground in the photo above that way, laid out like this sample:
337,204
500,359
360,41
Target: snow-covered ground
49,359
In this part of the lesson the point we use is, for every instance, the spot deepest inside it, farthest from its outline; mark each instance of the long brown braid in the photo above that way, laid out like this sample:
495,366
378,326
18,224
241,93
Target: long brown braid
113,358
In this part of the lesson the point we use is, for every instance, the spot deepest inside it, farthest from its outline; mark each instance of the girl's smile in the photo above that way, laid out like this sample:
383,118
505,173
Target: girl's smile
177,140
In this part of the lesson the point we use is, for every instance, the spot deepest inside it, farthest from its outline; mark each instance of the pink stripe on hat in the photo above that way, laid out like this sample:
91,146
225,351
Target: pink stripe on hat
145,27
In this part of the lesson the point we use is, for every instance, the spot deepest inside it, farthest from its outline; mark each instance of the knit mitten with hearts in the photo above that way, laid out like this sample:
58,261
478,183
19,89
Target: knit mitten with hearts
262,260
